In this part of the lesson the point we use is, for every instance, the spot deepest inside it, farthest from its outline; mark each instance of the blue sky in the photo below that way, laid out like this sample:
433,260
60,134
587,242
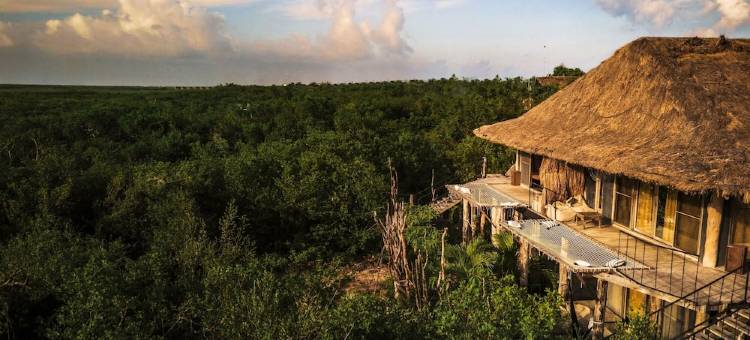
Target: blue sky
206,42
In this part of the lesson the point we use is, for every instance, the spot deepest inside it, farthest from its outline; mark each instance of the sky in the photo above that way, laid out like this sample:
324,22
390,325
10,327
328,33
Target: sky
210,42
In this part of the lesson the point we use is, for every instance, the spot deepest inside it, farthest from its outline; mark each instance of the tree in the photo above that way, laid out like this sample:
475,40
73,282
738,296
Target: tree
562,70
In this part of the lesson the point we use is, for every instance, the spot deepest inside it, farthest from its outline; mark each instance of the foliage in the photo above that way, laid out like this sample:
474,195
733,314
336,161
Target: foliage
226,212
562,70
637,326
497,309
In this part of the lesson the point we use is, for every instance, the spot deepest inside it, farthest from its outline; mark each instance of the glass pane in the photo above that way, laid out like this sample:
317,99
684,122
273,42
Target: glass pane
686,233
644,220
688,204
676,320
740,223
624,186
636,302
623,206
616,299
661,205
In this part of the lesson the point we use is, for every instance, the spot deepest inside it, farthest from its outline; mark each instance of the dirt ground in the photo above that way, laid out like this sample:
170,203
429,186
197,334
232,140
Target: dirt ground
368,276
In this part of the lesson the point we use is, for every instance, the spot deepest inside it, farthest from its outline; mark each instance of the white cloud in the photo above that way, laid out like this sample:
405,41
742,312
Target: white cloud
53,5
656,12
347,39
5,40
137,28
388,35
77,5
734,13
659,13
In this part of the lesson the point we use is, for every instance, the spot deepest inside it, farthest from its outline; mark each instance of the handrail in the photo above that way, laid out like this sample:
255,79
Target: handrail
684,297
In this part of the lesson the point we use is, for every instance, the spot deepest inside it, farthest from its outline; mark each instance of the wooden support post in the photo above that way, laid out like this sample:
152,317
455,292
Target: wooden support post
484,167
495,219
524,252
563,282
474,220
482,222
466,216
600,310
713,227
411,200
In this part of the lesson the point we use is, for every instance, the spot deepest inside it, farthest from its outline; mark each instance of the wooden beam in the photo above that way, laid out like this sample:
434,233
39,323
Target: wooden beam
713,227
600,309
524,252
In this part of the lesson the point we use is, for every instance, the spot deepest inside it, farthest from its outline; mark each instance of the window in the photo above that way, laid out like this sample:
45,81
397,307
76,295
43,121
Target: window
525,164
665,211
536,164
616,299
676,319
688,222
623,200
740,220
644,218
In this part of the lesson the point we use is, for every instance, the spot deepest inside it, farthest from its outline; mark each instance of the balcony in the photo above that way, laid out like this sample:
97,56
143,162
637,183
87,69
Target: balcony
645,264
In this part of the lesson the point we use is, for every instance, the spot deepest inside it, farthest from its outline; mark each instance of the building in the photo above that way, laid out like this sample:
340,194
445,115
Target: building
655,143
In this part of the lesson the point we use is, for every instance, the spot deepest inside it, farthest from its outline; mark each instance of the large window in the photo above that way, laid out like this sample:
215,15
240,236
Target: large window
623,200
666,205
688,222
644,218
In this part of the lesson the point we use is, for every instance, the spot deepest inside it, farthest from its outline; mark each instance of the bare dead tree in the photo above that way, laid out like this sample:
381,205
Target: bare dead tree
392,228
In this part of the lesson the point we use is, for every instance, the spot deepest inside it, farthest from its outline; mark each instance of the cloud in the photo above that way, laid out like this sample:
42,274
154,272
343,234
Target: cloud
734,13
137,28
656,12
5,40
53,5
347,39
20,6
660,13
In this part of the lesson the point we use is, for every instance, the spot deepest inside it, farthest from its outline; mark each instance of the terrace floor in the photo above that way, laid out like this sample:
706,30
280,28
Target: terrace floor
668,273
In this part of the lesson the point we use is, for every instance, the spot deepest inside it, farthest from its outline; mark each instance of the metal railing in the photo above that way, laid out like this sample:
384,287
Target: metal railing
726,304
671,271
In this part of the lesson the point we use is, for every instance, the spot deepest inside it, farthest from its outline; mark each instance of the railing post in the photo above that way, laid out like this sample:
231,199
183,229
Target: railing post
746,281
656,272
682,277
697,268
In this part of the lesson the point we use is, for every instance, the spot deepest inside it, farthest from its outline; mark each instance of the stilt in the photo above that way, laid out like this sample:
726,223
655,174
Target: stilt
474,221
523,262
600,309
466,216
563,282
495,220
482,222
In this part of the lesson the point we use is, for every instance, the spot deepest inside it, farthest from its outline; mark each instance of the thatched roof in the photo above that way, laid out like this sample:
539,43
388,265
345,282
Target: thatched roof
675,111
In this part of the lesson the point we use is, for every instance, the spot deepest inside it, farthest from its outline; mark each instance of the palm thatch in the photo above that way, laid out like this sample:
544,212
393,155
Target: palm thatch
674,111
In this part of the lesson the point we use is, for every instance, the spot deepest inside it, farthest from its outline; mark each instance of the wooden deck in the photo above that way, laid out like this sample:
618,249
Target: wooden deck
671,274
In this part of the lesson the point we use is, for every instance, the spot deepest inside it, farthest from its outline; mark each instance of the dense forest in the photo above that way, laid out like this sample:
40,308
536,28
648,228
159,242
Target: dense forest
234,211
